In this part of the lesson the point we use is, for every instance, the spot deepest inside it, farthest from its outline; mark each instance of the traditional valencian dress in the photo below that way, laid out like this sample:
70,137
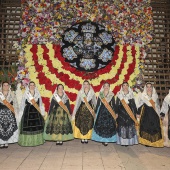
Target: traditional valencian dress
105,123
8,118
58,125
166,122
32,121
126,109
83,114
150,128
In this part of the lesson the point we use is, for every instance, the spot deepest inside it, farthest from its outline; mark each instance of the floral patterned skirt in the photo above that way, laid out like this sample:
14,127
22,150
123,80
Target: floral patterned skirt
9,129
58,126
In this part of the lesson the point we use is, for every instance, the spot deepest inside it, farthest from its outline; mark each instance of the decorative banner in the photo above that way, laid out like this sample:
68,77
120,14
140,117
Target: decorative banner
47,68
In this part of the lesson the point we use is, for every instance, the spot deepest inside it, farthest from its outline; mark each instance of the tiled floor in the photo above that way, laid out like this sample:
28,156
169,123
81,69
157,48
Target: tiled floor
76,156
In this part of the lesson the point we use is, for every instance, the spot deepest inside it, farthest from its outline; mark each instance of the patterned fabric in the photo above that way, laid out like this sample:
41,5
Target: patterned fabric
126,126
84,120
123,141
80,99
150,127
105,125
145,99
8,123
32,122
150,130
31,126
26,97
58,125
126,131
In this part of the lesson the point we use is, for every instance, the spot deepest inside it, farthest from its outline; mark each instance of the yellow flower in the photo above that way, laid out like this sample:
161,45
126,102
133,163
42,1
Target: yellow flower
23,73
116,12
62,4
59,16
39,10
92,17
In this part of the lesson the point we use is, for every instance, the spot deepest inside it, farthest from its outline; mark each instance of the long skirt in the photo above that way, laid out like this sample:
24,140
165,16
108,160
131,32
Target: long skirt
83,123
31,127
8,124
58,126
127,135
104,127
150,129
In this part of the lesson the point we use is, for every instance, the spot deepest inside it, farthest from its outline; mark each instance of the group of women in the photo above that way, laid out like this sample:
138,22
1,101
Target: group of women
105,119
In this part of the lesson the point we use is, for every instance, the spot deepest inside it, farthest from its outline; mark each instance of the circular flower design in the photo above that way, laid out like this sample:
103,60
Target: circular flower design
87,46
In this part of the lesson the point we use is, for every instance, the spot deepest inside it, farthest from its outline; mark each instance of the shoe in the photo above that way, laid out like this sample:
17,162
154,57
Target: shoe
82,141
105,144
58,143
6,145
2,146
61,143
86,141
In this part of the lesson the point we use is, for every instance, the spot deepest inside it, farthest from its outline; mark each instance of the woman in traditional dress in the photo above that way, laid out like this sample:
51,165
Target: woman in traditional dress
105,124
126,109
150,129
31,115
58,126
83,114
8,116
165,115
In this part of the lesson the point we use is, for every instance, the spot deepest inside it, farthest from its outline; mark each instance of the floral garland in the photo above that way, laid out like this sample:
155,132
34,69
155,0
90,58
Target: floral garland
129,21
124,67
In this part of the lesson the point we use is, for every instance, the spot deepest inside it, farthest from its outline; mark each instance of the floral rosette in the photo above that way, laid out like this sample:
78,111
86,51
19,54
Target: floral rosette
47,68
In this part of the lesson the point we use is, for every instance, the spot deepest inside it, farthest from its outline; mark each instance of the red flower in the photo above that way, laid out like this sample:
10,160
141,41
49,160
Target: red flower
116,89
71,83
46,102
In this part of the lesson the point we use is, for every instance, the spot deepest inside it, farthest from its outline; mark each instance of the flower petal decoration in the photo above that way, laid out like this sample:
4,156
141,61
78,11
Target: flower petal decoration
46,67
43,24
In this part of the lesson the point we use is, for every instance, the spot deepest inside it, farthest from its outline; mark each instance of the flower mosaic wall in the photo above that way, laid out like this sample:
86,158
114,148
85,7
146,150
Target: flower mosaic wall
43,24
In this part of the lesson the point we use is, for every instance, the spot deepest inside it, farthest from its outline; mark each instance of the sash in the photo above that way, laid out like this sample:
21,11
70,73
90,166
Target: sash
130,113
104,101
89,107
34,103
152,103
59,101
6,103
